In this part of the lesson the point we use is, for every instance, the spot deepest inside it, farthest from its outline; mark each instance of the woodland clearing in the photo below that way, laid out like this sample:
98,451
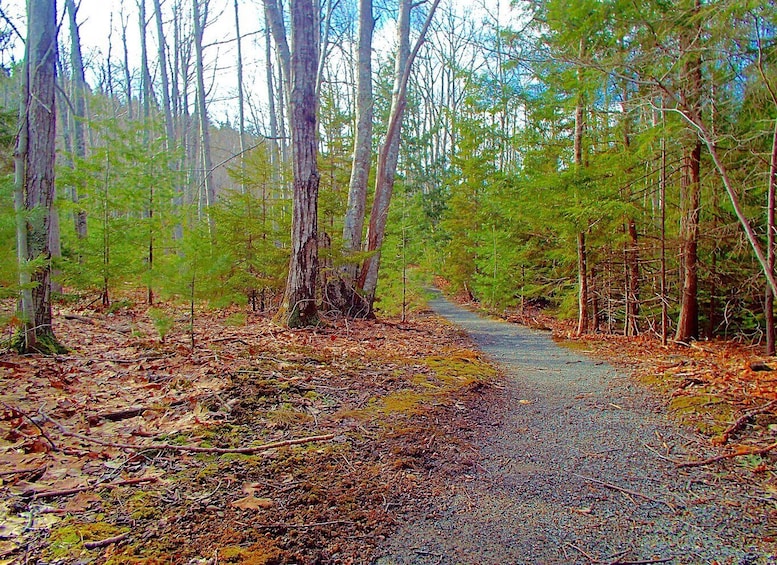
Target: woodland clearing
267,445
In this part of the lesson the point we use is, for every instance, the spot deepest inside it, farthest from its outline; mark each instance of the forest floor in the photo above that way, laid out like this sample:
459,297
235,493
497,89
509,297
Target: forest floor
264,445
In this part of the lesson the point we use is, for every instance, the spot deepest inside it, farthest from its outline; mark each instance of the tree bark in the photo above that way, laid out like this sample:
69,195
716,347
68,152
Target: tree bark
582,279
34,161
241,121
688,322
299,303
164,77
200,18
582,257
341,293
79,108
389,152
770,246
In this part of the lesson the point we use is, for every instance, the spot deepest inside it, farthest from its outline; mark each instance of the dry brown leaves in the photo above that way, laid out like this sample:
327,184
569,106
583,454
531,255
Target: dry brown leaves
247,382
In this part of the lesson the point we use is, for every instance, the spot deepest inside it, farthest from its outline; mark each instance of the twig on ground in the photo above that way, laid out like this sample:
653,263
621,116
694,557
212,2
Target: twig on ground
627,491
744,418
190,448
659,455
701,463
78,318
105,542
34,423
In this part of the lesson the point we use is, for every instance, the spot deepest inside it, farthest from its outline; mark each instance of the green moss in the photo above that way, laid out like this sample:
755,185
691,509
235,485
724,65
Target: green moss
66,541
208,471
142,506
238,319
285,416
45,343
401,401
263,552
228,457
708,413
460,368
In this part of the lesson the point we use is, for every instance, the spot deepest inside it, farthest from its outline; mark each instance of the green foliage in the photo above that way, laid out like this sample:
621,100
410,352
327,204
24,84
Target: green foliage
162,320
401,282
252,233
127,188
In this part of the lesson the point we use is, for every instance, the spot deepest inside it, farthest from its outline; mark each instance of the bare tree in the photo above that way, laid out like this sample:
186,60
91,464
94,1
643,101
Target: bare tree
389,151
341,292
163,75
34,164
299,302
200,18
79,106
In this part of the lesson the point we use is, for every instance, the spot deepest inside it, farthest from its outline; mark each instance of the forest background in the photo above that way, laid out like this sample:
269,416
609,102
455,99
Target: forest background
613,161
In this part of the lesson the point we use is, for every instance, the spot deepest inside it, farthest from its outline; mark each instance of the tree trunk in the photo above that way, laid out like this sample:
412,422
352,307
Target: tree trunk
299,303
688,322
200,18
582,257
127,75
163,75
389,152
241,123
582,279
341,293
34,162
770,250
79,108
632,261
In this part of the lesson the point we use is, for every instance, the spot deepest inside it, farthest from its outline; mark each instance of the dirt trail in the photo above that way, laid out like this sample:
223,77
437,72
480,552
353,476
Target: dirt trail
566,422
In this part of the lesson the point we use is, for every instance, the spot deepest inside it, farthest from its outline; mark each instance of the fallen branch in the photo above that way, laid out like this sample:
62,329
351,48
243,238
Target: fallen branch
744,418
759,451
626,491
97,486
78,318
105,542
190,448
122,413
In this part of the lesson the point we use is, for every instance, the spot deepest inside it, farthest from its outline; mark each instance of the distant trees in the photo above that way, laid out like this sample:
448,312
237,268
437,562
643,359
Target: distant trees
615,162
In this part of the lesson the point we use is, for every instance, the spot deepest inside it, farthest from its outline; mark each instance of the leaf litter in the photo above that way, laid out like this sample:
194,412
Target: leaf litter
90,469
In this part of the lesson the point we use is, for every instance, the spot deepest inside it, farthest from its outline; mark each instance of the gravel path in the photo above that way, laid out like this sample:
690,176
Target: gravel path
566,422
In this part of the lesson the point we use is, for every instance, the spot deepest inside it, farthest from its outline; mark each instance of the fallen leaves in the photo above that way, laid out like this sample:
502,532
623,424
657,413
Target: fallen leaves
162,437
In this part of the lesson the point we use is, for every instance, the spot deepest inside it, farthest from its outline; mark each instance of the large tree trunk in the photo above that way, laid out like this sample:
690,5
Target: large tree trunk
299,303
341,292
389,152
582,278
582,257
34,162
770,250
688,322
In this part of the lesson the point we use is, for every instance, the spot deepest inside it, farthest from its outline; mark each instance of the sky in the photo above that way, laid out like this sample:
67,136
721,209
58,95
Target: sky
97,17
